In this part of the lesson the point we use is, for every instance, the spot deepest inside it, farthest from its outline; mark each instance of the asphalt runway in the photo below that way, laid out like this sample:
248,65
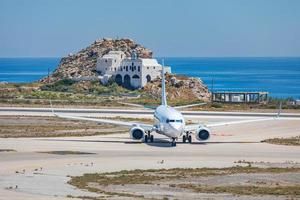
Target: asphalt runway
39,175
131,111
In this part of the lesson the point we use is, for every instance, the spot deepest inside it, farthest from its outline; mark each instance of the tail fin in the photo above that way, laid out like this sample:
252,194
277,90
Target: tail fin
163,86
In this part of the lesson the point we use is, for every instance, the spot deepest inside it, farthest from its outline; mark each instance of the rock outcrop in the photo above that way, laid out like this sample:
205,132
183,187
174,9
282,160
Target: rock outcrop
179,87
83,63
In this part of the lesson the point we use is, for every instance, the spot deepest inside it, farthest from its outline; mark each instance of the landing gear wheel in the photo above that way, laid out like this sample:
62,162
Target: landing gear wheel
184,139
190,139
173,144
146,138
151,138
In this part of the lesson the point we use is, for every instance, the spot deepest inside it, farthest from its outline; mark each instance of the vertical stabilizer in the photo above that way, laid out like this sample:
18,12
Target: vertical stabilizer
163,86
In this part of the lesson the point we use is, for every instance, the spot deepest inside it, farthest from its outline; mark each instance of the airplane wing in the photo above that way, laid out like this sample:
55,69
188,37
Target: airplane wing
193,127
104,121
190,105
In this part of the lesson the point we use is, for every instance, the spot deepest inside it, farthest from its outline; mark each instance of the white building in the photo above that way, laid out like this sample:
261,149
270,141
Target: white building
131,72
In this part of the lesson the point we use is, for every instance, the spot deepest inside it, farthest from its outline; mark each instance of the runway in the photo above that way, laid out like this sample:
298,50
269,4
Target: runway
133,112
40,175
117,152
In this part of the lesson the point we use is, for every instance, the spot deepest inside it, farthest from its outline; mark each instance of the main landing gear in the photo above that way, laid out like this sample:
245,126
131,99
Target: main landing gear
187,137
149,137
173,143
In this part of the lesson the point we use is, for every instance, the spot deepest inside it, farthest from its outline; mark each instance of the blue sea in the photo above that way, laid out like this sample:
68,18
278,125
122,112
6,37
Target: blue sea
278,76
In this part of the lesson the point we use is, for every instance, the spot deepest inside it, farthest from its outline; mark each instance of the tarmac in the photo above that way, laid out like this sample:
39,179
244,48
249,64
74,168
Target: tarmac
30,173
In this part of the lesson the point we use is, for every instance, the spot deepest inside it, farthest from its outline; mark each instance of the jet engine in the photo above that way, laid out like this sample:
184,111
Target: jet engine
137,133
202,133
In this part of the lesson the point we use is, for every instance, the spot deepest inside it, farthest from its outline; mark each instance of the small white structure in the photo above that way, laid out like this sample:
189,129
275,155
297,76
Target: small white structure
131,72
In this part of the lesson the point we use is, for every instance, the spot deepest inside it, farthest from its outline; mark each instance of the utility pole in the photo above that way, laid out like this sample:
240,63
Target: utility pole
212,89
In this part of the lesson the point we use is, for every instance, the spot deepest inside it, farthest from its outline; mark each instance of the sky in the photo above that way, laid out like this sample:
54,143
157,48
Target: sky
171,28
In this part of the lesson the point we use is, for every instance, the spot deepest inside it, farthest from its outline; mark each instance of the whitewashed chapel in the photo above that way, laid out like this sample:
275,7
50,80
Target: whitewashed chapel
131,72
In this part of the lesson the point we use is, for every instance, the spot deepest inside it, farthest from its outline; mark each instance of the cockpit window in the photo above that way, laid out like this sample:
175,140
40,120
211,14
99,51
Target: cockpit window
173,120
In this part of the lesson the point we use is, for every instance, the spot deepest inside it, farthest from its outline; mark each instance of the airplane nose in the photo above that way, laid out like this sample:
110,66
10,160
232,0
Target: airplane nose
177,129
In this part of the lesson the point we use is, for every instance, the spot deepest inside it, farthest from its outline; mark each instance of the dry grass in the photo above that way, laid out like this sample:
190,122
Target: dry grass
7,150
92,181
245,190
292,141
66,152
27,126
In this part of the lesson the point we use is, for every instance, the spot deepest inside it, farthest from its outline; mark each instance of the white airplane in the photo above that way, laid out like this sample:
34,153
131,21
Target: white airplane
168,121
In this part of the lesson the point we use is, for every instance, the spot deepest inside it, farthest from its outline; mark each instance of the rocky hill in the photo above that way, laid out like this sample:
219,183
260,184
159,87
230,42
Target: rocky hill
84,62
179,87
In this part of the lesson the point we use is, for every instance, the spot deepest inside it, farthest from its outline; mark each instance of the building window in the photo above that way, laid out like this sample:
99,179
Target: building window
126,68
139,68
153,67
147,67
106,60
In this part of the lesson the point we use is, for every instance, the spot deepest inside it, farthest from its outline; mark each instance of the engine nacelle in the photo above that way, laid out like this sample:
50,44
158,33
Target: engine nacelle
137,133
202,133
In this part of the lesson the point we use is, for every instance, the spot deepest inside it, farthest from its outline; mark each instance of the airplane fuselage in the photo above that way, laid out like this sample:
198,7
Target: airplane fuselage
169,121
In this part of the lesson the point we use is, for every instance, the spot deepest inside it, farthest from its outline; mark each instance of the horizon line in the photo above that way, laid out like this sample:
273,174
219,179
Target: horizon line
20,57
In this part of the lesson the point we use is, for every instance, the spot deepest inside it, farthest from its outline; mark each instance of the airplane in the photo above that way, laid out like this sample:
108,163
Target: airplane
168,122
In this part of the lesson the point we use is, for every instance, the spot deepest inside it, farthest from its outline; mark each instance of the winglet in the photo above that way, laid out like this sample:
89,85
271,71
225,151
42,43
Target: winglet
279,109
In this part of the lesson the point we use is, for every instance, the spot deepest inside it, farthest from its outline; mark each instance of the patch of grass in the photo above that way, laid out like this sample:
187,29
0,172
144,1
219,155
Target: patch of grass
15,126
151,176
7,150
66,152
291,141
245,190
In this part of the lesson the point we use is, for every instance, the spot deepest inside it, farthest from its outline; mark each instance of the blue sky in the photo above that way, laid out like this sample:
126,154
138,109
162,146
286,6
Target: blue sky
202,28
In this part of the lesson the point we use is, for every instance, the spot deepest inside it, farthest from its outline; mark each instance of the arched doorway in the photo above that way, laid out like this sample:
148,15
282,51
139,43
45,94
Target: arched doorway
126,83
118,79
148,77
135,81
